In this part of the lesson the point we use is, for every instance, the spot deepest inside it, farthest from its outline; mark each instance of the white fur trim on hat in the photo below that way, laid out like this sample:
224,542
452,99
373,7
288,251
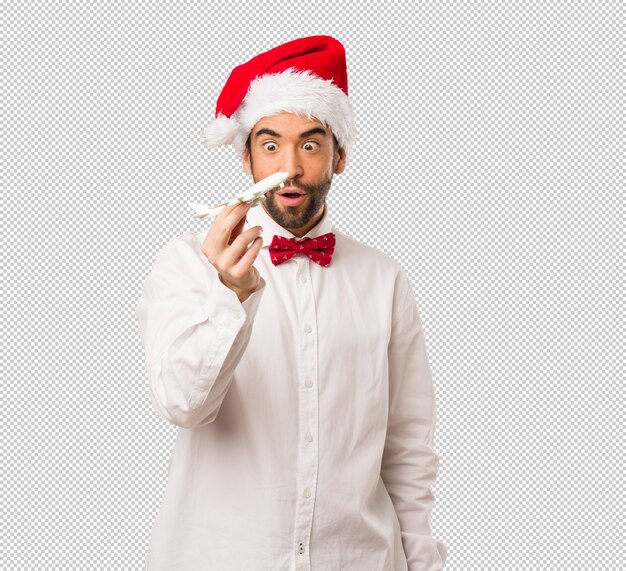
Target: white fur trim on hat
300,92
221,131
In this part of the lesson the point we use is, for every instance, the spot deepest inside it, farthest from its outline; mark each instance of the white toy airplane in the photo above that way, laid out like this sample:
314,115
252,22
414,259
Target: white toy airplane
252,196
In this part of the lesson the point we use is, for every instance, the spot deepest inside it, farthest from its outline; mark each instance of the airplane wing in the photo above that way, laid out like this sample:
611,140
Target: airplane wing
252,196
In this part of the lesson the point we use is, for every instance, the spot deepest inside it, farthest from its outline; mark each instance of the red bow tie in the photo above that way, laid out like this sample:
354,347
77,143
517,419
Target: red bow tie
320,249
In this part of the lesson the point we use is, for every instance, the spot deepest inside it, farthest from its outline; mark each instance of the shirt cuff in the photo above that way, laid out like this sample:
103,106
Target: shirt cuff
223,304
252,302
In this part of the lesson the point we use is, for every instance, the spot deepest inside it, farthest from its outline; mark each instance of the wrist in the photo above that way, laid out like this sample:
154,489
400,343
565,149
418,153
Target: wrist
242,294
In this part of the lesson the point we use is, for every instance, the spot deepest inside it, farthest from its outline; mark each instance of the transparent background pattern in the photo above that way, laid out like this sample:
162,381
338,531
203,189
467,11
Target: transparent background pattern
489,163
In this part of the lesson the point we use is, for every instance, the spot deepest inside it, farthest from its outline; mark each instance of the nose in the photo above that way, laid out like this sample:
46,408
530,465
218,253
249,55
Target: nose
292,164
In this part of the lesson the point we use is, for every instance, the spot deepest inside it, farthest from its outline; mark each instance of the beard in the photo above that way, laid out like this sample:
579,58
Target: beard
293,217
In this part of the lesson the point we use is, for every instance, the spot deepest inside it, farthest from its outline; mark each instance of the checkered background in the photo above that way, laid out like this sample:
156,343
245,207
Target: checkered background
489,163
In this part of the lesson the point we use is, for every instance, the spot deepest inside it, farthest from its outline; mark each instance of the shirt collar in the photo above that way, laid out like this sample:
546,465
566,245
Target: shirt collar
258,217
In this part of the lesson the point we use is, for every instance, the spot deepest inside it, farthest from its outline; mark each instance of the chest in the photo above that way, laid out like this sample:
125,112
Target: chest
342,314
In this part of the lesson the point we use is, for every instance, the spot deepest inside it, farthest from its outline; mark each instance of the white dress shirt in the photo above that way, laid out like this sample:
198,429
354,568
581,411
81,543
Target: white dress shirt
306,413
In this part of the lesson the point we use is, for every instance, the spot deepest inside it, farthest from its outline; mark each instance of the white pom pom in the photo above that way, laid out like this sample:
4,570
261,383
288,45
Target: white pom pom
221,131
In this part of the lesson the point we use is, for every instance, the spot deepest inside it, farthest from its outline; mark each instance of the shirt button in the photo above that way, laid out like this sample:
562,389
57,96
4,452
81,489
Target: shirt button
308,383
303,280
309,437
307,328
307,493
300,548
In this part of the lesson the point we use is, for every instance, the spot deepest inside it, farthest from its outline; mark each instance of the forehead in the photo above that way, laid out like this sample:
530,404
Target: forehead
288,123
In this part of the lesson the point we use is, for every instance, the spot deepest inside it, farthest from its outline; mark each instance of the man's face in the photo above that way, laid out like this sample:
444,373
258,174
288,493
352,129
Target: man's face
303,148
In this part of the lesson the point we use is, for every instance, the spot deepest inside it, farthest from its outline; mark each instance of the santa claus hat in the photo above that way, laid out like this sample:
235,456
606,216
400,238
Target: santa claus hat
306,76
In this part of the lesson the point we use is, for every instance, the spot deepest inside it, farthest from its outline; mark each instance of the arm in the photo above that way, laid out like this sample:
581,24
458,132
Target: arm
194,331
410,465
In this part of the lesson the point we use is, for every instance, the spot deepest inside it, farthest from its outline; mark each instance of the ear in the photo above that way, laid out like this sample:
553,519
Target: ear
340,160
245,158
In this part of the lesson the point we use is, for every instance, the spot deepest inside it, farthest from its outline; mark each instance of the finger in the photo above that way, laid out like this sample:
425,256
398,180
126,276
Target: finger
237,230
227,223
226,211
238,248
246,261
216,240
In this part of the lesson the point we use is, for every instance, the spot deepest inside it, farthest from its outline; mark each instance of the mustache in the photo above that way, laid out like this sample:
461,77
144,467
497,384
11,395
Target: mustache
308,188
289,183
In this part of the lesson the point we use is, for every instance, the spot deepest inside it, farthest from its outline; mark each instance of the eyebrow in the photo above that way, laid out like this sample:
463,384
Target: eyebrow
314,131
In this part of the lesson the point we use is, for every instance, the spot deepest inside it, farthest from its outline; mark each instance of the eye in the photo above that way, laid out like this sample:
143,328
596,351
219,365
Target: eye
313,145
268,144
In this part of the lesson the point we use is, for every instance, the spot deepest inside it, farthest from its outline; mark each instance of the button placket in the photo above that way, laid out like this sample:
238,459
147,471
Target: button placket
308,421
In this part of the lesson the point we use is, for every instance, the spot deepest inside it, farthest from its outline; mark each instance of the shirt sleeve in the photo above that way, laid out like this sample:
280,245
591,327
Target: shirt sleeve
194,331
410,465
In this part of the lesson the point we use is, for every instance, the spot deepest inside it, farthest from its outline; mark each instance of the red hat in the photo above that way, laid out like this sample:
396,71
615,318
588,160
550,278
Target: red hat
304,76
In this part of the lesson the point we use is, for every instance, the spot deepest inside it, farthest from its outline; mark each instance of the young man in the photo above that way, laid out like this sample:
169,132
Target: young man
291,355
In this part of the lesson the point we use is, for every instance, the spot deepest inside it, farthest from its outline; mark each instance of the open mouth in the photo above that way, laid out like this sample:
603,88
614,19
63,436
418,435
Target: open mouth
291,198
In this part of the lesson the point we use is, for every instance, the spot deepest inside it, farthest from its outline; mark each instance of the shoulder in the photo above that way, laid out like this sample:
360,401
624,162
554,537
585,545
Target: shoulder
381,269
182,255
351,249
185,243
